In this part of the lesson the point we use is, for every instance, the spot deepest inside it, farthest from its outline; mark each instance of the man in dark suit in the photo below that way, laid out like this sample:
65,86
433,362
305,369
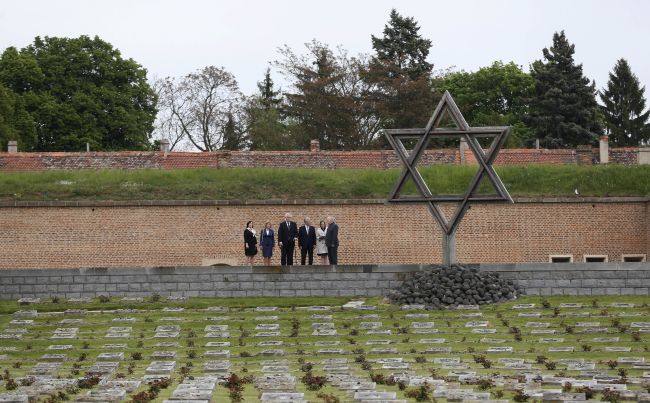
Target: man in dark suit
307,241
332,240
287,233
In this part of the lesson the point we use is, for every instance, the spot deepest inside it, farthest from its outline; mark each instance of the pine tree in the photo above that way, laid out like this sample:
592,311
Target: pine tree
563,110
268,96
232,136
401,74
624,102
266,129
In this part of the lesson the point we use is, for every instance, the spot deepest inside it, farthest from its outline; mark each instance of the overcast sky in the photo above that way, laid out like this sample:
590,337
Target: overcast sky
173,38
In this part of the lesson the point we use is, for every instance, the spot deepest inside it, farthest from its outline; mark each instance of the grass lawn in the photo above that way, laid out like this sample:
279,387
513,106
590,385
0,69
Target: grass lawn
265,183
577,327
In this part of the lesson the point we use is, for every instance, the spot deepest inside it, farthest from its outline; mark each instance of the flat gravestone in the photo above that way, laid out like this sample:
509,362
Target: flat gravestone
27,301
160,368
422,325
270,343
217,344
482,330
267,334
371,342
218,318
272,352
26,314
324,332
321,317
217,354
416,316
266,309
523,306
266,318
499,350
477,323
383,351
118,356
370,325
54,357
432,341
163,355
323,325
330,351
267,326
217,335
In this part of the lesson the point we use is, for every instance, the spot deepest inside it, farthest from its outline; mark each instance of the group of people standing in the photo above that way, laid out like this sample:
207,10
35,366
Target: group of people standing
324,239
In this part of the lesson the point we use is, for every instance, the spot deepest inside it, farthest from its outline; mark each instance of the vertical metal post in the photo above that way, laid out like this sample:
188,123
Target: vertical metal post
449,249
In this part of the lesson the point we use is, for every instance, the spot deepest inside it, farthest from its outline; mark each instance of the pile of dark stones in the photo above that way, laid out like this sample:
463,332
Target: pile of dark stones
447,286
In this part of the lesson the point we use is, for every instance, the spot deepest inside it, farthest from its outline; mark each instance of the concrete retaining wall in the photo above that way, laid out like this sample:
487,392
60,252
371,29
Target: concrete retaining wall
371,280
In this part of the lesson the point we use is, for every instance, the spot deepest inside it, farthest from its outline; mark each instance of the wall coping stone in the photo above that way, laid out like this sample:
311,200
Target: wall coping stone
285,202
370,268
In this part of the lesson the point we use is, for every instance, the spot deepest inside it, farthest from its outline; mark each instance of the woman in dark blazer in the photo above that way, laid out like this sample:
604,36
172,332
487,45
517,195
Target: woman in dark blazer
267,242
250,243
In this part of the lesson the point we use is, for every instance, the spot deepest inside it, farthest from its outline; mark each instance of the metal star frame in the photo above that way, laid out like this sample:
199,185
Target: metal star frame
462,130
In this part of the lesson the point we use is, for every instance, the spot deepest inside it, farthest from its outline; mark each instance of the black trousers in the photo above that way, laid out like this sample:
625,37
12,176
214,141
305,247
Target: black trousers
331,255
286,254
304,253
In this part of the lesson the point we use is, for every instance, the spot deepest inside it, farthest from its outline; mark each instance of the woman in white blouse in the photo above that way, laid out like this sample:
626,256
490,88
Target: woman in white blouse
321,247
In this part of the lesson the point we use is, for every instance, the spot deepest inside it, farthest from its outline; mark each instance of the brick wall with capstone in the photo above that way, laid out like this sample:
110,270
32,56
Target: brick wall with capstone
368,280
324,159
187,233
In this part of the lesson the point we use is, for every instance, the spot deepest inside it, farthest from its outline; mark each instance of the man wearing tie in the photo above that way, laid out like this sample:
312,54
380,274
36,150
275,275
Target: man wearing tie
307,241
287,233
332,240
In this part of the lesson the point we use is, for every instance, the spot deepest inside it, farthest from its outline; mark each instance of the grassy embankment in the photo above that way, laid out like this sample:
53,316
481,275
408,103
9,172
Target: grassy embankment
270,183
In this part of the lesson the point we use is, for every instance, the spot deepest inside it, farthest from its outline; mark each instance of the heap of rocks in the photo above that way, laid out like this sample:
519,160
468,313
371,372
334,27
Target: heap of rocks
454,285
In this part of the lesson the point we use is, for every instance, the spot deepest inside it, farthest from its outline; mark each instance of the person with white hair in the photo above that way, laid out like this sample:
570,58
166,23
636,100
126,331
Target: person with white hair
332,240
287,234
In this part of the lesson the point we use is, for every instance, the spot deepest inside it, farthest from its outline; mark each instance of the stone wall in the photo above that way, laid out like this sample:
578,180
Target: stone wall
379,159
370,280
195,233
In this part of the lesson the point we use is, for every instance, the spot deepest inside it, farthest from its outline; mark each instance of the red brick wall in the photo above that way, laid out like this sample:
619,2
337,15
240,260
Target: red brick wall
381,159
103,236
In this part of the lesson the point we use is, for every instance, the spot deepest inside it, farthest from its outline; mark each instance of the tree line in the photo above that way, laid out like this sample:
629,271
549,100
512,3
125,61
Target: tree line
60,94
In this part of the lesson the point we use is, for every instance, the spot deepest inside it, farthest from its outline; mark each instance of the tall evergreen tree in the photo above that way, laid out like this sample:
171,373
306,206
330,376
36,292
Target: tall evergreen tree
624,102
563,110
233,138
401,74
266,129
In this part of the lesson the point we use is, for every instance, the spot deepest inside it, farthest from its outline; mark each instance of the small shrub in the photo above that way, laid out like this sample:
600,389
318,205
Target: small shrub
136,356
520,396
360,358
91,379
354,332
566,387
17,364
55,300
328,398
420,393
104,299
85,345
611,396
541,359
589,393
359,351
366,366
191,354
485,383
612,364
498,393
10,384
245,354
307,367
154,297
550,365
622,372
636,336
556,312
586,347
82,357
546,304
27,381
313,382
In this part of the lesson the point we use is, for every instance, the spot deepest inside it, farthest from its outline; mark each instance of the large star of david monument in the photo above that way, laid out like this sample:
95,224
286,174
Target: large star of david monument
447,107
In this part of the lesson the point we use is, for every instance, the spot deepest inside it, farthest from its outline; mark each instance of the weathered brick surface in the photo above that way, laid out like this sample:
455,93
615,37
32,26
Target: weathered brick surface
128,234
380,159
275,282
